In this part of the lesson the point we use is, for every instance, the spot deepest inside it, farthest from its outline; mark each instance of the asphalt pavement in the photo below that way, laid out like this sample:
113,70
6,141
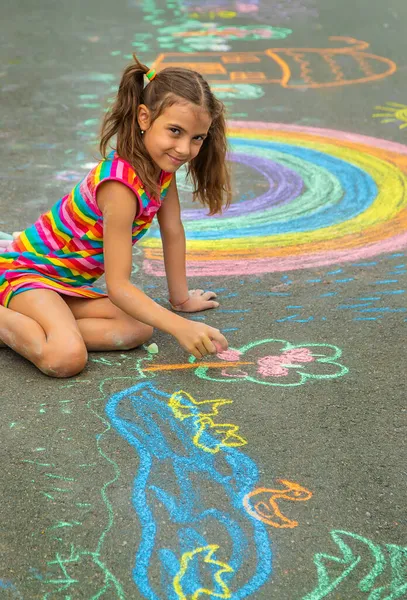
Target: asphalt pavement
276,470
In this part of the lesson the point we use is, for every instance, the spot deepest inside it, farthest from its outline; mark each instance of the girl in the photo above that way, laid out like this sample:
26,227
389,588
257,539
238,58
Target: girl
50,313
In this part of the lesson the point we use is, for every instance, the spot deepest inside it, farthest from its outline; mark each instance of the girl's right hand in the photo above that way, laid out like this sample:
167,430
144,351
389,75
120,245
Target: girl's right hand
200,339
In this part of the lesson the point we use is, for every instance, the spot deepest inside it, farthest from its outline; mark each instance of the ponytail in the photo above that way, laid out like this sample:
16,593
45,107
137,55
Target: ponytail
121,121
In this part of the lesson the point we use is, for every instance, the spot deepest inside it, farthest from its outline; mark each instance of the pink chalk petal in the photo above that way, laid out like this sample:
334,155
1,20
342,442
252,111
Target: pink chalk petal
270,360
229,355
234,373
297,355
273,371
271,366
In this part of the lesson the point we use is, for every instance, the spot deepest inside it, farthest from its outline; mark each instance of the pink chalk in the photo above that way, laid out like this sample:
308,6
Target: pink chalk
229,355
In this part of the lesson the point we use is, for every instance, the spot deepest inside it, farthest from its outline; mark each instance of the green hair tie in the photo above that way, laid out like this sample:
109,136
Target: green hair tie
151,74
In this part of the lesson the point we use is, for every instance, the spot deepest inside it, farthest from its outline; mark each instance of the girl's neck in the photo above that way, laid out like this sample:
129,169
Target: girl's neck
156,170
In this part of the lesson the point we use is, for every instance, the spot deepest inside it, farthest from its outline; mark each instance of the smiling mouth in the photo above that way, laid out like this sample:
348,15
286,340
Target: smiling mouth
177,161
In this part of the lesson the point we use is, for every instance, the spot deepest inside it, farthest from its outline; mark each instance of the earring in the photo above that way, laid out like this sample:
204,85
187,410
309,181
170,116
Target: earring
142,131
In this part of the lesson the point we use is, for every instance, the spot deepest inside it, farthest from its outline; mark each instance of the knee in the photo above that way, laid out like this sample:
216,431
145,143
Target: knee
133,336
66,362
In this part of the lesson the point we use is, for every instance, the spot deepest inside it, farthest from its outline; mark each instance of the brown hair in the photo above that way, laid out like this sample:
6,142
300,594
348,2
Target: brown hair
208,169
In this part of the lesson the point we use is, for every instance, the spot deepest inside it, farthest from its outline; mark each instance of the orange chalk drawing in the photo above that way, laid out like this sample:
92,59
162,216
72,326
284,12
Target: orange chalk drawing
261,503
178,366
345,63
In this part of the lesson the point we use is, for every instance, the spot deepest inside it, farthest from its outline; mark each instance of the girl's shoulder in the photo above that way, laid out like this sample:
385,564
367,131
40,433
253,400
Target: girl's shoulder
115,168
112,168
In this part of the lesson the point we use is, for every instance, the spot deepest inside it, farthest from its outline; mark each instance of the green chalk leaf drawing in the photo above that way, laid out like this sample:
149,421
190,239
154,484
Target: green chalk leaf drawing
275,362
389,560
237,91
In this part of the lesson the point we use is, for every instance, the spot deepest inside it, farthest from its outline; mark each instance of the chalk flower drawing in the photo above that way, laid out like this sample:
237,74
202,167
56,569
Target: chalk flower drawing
392,112
386,579
276,362
261,503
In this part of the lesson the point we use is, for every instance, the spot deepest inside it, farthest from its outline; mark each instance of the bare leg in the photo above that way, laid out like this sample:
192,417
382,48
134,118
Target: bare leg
19,332
102,326
40,326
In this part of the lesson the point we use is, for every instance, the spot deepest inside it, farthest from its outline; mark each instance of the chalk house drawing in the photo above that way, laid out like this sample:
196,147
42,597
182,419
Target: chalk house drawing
346,62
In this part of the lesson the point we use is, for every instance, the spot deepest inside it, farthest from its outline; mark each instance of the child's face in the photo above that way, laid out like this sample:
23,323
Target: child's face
176,136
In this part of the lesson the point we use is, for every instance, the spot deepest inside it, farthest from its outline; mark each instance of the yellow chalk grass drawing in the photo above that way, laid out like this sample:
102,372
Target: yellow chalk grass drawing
226,431
393,112
205,552
184,406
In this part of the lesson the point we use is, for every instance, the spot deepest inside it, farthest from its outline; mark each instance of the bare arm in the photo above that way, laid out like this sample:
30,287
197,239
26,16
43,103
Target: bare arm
119,207
173,239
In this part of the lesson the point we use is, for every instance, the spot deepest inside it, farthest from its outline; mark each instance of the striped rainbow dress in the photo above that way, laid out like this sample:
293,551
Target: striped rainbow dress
63,250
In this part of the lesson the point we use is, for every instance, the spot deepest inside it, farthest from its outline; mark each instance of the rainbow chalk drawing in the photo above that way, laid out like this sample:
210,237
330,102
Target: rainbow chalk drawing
332,197
285,364
194,528
383,570
261,503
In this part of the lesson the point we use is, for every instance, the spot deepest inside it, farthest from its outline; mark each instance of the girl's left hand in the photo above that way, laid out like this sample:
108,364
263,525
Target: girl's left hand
198,300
